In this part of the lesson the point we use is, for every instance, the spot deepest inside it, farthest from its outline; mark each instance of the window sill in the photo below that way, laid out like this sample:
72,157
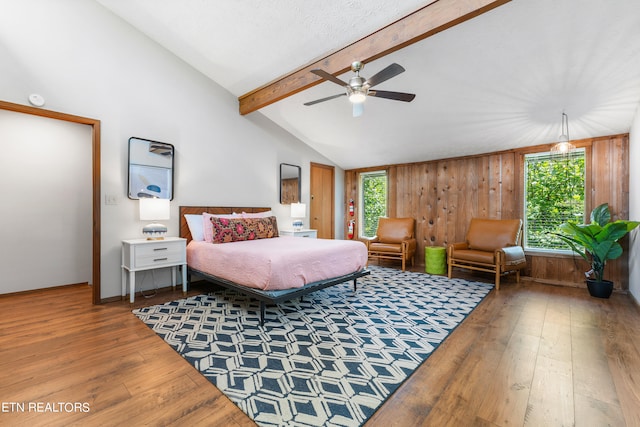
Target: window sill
551,253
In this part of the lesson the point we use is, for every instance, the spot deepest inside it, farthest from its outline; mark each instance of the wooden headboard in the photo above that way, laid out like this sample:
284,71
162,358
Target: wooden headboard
220,210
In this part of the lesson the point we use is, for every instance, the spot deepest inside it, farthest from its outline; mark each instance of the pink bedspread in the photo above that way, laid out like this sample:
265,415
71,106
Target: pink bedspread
278,263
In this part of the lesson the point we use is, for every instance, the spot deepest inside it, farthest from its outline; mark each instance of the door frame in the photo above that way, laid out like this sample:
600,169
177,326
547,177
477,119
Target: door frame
95,160
333,192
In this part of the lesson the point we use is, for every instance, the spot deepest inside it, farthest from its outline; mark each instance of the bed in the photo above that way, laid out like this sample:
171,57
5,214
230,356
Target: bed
271,270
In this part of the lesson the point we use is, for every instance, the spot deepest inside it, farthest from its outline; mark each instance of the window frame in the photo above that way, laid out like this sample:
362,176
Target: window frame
361,212
587,197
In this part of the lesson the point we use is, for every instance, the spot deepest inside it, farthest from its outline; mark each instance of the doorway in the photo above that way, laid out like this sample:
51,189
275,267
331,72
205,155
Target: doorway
95,160
322,207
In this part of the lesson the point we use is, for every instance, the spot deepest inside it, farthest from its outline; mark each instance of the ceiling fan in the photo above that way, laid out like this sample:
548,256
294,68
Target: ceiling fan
359,88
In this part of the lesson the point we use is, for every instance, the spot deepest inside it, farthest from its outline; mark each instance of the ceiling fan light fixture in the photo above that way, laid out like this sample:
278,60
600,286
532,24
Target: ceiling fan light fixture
357,97
359,89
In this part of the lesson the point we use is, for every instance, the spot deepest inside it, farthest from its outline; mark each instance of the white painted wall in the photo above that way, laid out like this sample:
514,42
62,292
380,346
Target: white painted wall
85,61
45,170
634,207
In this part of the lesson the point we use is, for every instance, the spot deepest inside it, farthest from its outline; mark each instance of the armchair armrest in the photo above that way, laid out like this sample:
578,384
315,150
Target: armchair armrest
409,245
456,246
512,256
369,240
459,245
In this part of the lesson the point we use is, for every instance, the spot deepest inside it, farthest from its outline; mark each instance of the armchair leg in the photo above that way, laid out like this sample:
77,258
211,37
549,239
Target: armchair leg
498,279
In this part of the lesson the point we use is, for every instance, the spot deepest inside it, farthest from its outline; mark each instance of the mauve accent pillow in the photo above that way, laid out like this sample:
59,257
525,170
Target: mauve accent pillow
227,230
206,223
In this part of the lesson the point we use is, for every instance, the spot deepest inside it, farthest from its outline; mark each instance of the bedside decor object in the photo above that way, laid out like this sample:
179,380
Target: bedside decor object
597,243
154,210
298,212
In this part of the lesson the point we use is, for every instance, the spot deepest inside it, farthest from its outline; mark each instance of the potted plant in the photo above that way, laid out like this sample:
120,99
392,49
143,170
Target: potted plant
597,243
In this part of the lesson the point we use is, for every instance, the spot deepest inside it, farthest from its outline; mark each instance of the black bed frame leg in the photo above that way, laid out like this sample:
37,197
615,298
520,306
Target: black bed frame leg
354,284
262,310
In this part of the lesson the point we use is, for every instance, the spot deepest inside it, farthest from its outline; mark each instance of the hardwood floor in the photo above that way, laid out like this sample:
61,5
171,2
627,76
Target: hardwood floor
529,355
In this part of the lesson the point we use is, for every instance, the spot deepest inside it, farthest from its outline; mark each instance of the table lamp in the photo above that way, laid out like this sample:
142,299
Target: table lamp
298,212
154,209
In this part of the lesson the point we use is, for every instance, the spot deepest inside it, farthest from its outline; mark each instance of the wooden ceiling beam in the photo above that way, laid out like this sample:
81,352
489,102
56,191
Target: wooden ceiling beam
425,22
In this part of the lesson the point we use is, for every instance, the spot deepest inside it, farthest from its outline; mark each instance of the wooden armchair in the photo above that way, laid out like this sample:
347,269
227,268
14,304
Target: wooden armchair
394,239
492,245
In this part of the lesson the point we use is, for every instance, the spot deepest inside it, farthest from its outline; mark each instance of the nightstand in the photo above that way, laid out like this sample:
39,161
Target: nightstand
299,233
142,254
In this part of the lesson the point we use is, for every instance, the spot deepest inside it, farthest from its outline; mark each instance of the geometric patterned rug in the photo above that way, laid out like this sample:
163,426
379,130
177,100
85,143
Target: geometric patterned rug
331,358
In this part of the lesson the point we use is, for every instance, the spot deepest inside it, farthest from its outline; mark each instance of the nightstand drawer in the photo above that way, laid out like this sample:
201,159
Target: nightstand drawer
300,233
159,248
159,259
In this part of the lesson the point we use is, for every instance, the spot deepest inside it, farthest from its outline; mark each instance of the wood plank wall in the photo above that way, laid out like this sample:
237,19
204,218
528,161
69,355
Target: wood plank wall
443,196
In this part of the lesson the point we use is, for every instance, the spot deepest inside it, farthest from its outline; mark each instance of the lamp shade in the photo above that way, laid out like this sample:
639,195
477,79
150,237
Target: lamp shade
298,210
357,97
152,209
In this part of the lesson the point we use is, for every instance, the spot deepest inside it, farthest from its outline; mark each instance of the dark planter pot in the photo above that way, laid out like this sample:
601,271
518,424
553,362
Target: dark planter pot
600,289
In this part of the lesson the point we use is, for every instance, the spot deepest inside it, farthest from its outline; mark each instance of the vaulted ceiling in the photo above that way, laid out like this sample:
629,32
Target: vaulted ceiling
495,81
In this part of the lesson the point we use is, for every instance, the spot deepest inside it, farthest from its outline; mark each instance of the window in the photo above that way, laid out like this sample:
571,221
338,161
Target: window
554,193
373,199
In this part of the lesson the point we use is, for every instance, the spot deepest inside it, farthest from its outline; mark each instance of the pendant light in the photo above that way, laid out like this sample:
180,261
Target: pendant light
563,147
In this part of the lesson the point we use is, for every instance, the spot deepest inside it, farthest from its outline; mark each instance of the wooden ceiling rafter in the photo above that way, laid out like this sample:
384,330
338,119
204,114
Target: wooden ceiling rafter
425,22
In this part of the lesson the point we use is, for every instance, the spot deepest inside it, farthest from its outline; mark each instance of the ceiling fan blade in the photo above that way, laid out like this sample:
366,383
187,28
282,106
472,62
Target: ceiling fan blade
329,77
384,75
396,96
358,109
324,99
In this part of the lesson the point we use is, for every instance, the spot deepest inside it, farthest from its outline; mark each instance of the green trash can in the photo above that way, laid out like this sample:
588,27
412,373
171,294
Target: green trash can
435,259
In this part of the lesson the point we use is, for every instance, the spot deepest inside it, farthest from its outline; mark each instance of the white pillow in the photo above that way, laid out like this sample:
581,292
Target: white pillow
266,214
196,227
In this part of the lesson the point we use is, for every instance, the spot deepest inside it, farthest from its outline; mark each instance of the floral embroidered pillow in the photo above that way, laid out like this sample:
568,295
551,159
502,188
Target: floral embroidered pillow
238,229
207,228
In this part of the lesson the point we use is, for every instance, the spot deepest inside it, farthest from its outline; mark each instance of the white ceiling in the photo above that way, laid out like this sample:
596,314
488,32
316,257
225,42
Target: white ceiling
498,81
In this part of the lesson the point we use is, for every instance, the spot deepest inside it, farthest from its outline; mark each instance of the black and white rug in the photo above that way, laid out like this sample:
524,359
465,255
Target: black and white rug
330,359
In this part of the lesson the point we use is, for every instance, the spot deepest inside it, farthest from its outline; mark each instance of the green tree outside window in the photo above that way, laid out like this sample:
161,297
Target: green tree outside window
554,194
374,201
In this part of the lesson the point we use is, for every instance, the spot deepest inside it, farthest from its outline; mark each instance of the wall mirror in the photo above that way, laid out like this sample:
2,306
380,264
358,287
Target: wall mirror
150,169
289,183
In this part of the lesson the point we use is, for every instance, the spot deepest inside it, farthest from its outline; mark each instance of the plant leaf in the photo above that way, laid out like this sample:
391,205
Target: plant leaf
601,215
606,250
613,231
